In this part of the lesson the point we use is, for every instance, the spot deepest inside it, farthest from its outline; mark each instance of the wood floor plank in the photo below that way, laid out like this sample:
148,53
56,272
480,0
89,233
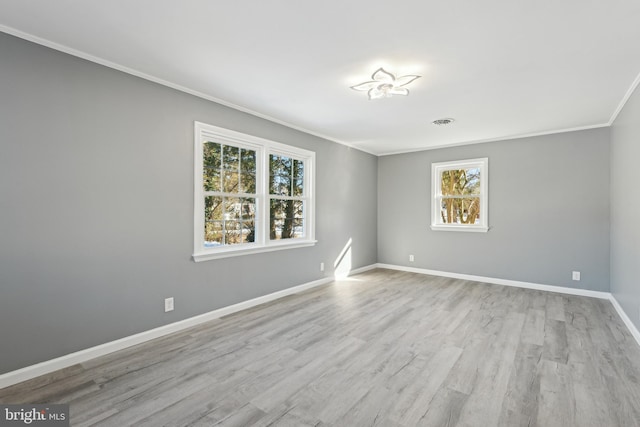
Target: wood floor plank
555,307
520,405
243,416
445,408
370,410
299,378
556,347
384,348
413,403
283,416
493,376
556,407
533,331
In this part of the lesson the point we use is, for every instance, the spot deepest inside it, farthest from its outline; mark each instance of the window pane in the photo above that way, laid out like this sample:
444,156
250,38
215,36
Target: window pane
212,234
286,219
247,171
280,175
213,223
279,165
460,182
279,185
211,163
232,232
298,177
212,208
230,182
247,183
248,209
248,232
460,210
276,208
230,158
298,228
298,209
247,216
229,220
232,208
237,232
229,169
248,161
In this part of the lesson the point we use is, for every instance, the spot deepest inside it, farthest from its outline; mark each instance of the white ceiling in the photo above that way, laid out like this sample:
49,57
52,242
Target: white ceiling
501,68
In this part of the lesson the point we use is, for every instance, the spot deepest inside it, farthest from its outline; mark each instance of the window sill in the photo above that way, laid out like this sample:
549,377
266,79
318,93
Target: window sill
231,252
466,228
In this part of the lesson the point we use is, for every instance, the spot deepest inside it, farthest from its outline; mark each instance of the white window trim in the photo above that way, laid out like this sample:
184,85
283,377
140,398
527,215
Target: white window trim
263,147
436,173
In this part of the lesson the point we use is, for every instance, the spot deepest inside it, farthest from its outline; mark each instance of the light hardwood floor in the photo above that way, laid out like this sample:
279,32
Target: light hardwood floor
383,348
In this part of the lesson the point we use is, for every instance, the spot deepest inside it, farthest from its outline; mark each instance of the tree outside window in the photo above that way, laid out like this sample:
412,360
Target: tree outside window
251,194
459,193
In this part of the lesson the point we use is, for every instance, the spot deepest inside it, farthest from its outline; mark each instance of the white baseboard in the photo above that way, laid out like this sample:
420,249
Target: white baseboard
504,282
627,321
549,288
33,371
29,372
363,269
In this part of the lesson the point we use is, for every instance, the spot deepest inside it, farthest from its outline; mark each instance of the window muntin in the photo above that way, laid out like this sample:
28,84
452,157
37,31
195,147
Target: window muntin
251,194
459,195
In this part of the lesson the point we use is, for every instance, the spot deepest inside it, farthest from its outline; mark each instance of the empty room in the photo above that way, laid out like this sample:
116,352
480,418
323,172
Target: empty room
290,213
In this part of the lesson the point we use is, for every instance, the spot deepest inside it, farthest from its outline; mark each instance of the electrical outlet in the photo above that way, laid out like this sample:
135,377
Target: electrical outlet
575,275
411,258
322,266
168,304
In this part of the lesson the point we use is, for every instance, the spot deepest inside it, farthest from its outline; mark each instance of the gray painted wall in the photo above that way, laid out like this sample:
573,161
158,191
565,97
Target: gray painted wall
625,208
548,211
96,207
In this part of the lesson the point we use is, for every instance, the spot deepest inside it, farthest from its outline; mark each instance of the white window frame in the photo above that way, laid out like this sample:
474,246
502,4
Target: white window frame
263,148
436,194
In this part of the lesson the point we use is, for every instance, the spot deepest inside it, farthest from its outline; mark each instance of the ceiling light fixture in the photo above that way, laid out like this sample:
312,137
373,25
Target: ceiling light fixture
385,84
443,122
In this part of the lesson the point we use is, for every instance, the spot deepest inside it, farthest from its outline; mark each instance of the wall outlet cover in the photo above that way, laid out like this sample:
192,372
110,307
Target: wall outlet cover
168,304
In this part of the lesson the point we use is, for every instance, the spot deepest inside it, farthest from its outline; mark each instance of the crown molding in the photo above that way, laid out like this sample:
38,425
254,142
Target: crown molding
624,100
95,59
101,61
501,138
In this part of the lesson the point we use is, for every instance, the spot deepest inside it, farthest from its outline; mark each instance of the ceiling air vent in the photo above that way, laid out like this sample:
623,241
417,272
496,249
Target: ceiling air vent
443,122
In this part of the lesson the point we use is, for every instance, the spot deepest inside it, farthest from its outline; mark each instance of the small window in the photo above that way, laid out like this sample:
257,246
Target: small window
251,194
459,195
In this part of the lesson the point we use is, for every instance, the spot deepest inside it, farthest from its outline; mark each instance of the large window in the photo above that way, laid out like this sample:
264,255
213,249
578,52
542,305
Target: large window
459,195
251,194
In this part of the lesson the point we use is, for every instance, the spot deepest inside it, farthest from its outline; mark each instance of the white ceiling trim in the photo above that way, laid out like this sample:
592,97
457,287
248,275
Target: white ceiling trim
502,138
124,69
154,79
626,97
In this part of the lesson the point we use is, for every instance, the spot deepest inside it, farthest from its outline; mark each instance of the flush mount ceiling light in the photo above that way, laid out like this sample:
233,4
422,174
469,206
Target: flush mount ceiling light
385,84
443,122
